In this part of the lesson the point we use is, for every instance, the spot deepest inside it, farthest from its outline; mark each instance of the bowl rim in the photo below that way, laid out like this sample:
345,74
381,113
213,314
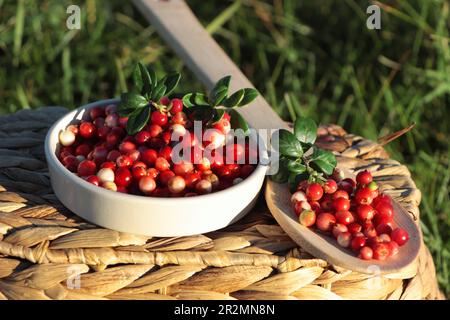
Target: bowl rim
253,178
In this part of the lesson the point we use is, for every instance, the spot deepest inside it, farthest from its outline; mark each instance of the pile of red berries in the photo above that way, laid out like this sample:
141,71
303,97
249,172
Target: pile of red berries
99,150
354,212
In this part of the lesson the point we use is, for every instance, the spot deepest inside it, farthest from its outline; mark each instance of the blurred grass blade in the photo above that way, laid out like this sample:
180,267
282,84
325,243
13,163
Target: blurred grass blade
223,17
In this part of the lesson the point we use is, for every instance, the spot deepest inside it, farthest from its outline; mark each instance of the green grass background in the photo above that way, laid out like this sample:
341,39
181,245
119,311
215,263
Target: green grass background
314,58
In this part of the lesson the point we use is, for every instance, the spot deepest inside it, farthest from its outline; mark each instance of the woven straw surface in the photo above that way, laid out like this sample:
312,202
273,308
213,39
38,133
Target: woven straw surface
46,252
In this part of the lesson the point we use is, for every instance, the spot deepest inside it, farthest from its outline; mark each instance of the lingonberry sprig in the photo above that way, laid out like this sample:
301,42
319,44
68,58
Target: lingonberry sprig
145,95
300,159
212,107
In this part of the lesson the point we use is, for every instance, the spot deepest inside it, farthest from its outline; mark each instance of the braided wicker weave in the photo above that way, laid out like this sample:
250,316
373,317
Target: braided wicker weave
46,252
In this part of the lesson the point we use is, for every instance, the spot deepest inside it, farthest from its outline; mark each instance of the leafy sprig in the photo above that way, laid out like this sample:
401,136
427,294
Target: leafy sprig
145,94
212,107
300,158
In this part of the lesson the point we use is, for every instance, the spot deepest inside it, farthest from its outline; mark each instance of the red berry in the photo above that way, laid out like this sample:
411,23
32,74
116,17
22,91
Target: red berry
154,130
307,218
203,186
159,118
192,178
380,250
363,196
300,206
370,232
83,150
142,137
126,147
149,156
325,221
103,132
166,153
203,164
384,237
393,248
365,212
165,100
123,177
87,130
87,168
364,178
112,120
108,165
344,239
113,155
344,217
366,253
385,209
348,185
71,163
341,204
354,227
97,112
123,122
314,192
162,164
147,185
99,154
384,228
183,168
358,242
338,229
330,186
99,123
177,106
381,198
315,206
124,161
165,176
380,219
341,194
400,236
94,180
179,118
176,184
138,172
153,173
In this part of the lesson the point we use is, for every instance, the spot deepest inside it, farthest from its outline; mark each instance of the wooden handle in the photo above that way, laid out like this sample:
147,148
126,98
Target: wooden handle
179,27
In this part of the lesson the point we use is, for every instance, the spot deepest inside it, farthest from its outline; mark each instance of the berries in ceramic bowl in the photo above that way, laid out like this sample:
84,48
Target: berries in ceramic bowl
353,214
148,198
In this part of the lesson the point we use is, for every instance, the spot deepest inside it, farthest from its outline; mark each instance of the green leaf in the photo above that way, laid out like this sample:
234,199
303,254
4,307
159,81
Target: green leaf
148,79
125,112
158,92
323,160
187,100
238,122
137,79
200,99
295,166
305,130
220,90
283,173
171,81
201,113
289,145
218,115
234,99
131,100
138,120
250,94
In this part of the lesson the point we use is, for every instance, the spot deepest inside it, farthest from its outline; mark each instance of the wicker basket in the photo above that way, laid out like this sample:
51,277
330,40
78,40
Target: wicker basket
46,252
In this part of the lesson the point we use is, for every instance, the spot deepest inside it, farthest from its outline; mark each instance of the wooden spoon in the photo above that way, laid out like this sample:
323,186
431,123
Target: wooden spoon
176,23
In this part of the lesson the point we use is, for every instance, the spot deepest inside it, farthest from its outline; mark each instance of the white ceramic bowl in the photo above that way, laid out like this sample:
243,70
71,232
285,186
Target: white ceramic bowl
161,217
